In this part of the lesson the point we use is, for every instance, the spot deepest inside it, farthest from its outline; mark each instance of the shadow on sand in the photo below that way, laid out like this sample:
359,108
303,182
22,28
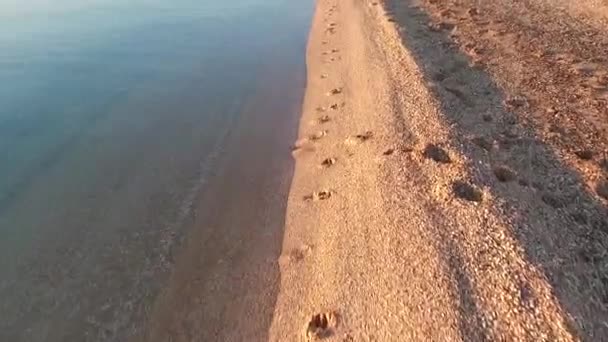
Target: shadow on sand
560,225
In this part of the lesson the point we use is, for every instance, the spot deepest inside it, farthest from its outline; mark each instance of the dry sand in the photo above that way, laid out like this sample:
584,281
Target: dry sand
436,195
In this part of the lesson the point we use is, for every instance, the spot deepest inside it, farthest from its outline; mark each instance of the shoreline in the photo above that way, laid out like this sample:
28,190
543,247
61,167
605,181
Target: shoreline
224,282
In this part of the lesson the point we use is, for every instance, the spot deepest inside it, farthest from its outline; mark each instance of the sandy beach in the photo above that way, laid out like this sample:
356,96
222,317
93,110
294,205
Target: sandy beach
449,173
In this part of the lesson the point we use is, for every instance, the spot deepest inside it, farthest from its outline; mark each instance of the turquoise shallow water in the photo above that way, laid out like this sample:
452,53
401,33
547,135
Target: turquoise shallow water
112,115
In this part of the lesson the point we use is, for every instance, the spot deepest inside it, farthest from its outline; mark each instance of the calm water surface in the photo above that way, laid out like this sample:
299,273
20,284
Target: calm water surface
112,116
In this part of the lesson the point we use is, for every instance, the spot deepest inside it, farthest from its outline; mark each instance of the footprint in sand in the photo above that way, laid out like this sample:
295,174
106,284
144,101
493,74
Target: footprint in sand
602,189
324,119
335,91
441,26
359,138
363,137
318,135
439,76
305,143
473,11
328,162
584,154
466,191
296,255
504,174
388,152
436,153
321,325
584,69
459,94
319,195
301,146
600,81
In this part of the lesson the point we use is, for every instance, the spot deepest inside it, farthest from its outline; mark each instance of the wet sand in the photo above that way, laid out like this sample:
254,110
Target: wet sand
226,278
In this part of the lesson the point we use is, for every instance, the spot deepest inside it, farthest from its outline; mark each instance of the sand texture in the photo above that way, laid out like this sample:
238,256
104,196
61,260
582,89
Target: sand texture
450,180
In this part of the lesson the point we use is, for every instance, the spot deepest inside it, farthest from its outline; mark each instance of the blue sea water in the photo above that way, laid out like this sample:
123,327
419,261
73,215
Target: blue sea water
110,113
